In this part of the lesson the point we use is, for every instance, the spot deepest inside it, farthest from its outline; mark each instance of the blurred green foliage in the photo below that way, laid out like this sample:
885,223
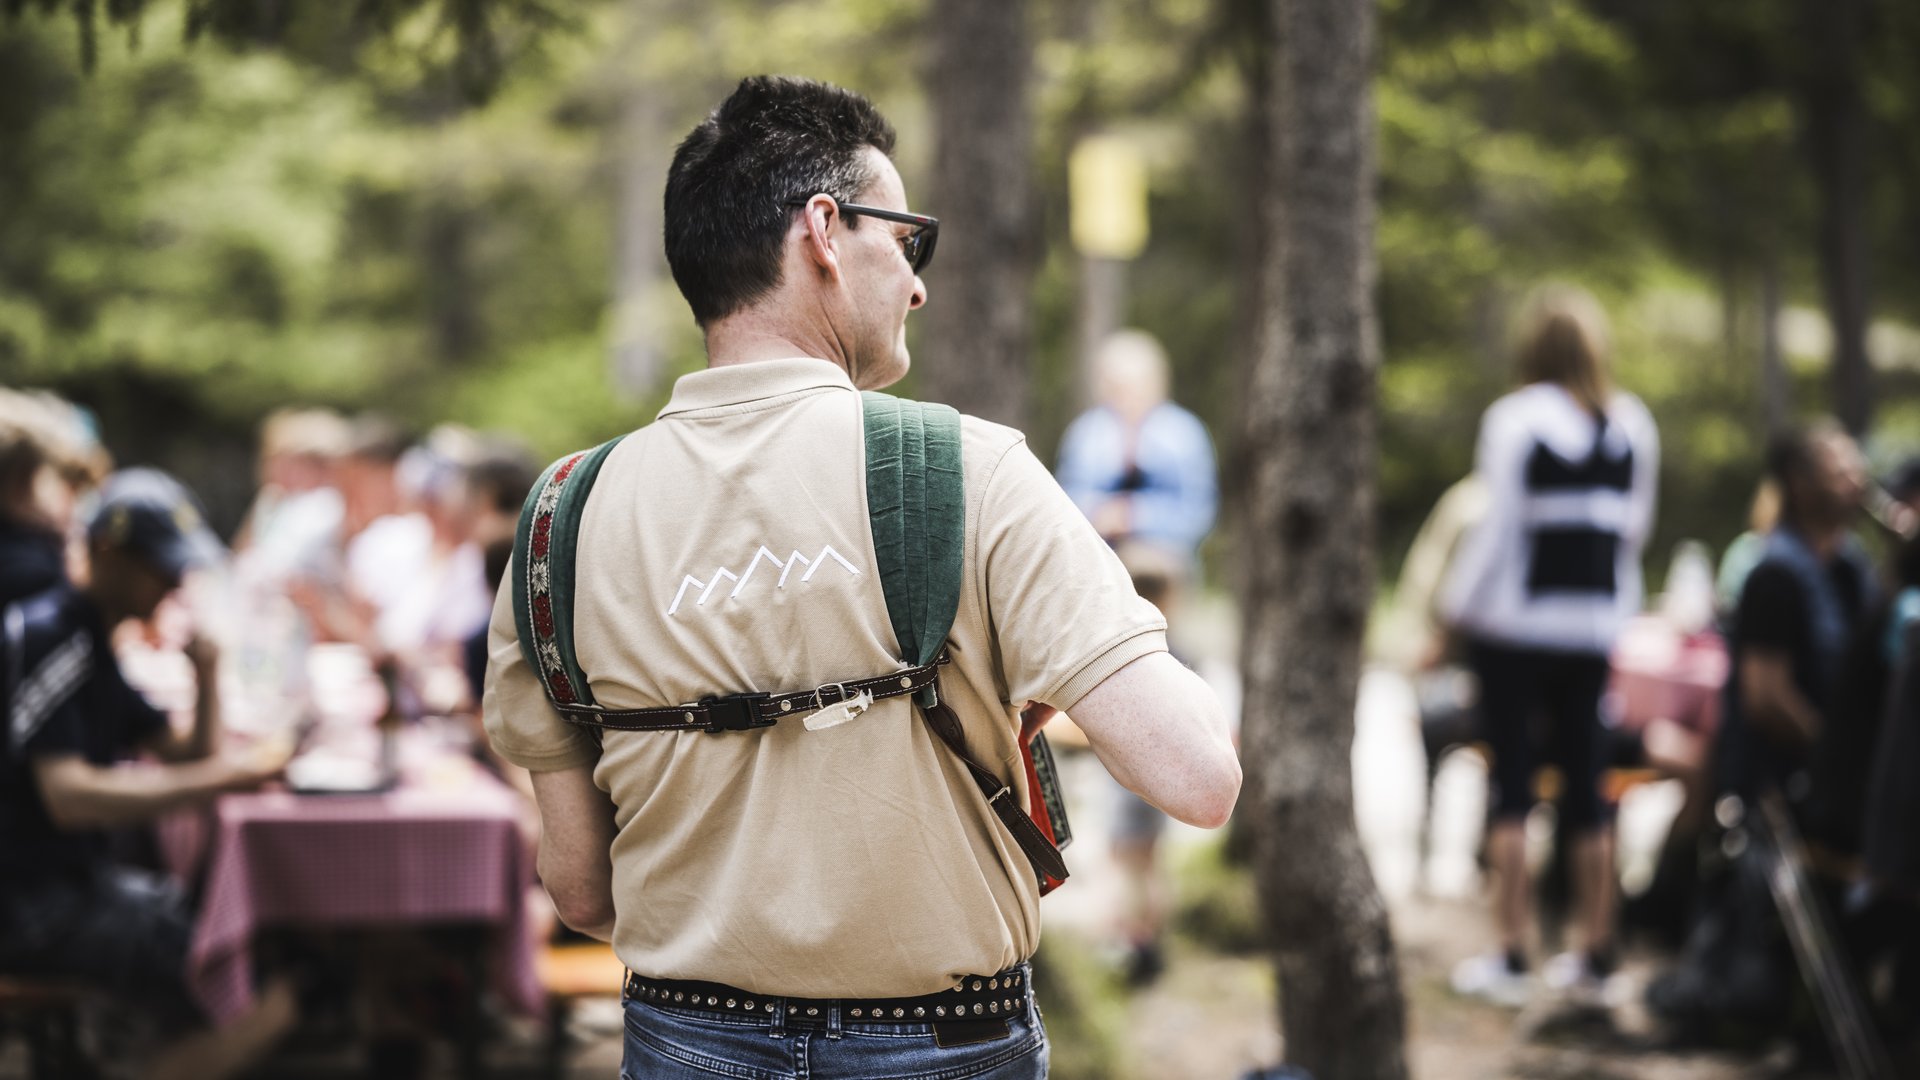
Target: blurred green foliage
410,205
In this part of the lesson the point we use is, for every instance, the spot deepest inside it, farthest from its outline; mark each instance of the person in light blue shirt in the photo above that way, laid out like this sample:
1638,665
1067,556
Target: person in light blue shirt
1139,466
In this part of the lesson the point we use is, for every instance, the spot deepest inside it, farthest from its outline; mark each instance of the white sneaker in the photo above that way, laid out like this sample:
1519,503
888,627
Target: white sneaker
1570,975
1490,979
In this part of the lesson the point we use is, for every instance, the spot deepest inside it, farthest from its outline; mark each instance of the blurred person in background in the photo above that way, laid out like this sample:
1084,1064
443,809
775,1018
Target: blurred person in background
379,543
1882,908
295,519
1797,613
1836,803
1142,469
413,590
48,458
1136,464
1415,639
369,490
1746,550
68,911
1539,591
427,616
1789,640
497,483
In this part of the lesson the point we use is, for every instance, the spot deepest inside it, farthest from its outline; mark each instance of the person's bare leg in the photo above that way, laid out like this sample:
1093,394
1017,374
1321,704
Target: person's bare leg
1594,885
1144,912
222,1052
1507,852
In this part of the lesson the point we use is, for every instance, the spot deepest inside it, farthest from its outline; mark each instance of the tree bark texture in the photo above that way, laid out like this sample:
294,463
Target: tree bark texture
974,351
1309,546
1836,141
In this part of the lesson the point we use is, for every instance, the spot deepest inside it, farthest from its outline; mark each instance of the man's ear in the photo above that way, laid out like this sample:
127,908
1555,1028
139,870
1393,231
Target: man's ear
820,244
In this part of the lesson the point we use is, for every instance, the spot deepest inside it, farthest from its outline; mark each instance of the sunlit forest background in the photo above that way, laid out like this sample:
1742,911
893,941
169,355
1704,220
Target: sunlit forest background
194,231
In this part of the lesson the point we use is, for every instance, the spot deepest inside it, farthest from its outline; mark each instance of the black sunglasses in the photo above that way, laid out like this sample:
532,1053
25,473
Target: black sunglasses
918,244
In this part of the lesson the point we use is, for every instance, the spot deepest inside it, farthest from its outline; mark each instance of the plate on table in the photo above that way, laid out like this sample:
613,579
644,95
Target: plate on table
322,773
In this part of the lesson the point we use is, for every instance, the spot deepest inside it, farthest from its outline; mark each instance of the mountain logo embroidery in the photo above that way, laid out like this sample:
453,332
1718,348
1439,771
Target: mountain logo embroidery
786,568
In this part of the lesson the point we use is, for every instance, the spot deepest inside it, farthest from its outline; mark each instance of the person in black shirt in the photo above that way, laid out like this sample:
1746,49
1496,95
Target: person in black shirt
71,719
1796,615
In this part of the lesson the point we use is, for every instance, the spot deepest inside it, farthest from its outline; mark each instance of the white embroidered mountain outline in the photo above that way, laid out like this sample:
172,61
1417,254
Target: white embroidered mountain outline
763,555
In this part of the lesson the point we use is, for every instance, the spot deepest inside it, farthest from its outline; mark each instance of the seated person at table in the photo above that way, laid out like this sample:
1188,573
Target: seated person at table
68,913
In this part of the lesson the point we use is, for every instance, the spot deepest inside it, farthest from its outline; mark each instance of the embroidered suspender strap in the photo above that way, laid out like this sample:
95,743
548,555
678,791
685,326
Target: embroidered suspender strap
916,505
543,558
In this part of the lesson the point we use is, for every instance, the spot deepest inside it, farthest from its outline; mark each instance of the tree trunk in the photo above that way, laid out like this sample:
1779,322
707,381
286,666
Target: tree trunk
1776,391
1310,438
973,354
1836,134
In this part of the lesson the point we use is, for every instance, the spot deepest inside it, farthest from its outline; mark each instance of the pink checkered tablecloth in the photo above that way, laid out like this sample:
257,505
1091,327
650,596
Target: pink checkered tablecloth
426,852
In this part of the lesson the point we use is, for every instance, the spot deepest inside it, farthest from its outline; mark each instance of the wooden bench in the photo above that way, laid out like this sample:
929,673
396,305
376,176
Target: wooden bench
570,972
47,1013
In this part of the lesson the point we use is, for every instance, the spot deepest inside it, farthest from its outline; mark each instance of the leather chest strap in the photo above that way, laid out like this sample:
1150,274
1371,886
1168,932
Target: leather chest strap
1040,851
744,712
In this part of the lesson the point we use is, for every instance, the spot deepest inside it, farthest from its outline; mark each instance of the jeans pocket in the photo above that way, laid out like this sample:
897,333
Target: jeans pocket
664,1045
1019,1055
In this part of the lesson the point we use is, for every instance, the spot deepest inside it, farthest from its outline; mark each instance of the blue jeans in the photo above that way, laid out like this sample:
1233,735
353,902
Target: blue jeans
691,1044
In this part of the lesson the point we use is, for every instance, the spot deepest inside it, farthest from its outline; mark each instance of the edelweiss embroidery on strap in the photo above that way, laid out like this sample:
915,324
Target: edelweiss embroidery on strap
740,581
539,573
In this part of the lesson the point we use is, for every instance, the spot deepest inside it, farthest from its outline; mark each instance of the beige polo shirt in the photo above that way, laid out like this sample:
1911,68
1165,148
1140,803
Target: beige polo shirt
726,549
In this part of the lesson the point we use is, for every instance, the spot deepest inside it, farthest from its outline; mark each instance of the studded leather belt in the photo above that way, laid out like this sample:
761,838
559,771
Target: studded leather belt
983,997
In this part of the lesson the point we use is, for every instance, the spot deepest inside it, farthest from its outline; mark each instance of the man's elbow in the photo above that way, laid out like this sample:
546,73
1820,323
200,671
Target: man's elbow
584,910
1211,803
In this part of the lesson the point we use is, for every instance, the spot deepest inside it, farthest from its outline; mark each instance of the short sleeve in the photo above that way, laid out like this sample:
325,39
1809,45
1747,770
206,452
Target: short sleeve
47,717
1062,608
1772,612
521,724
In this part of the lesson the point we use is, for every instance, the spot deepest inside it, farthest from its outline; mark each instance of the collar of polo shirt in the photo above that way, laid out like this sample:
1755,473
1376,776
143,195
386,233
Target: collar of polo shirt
737,384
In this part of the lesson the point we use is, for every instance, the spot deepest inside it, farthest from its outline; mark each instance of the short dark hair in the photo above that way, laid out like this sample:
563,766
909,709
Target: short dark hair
376,439
775,139
502,477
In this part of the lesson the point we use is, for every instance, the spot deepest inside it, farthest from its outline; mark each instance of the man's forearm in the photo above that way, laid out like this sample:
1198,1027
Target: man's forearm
205,737
84,796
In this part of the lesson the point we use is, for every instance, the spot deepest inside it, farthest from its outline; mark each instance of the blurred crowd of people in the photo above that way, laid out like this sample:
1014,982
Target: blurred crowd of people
392,544
358,535
1521,601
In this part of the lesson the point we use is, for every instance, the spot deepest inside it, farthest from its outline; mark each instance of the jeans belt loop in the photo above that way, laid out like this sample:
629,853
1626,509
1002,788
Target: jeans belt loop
778,1030
833,1019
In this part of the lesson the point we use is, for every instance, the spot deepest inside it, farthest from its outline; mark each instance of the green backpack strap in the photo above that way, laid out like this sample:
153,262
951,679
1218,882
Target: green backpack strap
544,547
917,505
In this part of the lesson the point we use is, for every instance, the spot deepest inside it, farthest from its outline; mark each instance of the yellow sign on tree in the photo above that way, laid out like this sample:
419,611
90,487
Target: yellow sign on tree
1108,197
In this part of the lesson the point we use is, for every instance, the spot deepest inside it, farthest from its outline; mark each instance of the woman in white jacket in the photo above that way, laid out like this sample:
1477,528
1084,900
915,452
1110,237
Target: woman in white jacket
1539,592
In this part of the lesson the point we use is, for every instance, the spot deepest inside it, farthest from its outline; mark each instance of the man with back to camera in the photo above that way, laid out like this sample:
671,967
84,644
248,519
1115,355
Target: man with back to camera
68,912
837,888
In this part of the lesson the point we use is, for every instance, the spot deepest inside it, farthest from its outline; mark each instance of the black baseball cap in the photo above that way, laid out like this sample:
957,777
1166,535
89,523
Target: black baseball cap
151,514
